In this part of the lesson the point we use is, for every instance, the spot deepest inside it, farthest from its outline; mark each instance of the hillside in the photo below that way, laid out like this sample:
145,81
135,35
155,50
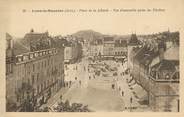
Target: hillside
88,35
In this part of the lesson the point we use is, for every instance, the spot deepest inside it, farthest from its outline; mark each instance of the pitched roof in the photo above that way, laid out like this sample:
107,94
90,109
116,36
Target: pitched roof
172,53
120,43
8,36
36,36
166,65
144,55
20,47
108,38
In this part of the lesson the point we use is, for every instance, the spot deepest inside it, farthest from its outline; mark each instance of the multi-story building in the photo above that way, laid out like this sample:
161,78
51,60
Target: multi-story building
155,66
72,52
164,80
96,48
108,47
132,44
120,48
114,47
68,54
35,74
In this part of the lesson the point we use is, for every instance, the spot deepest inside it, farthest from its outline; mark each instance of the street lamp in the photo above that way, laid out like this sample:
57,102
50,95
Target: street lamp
131,104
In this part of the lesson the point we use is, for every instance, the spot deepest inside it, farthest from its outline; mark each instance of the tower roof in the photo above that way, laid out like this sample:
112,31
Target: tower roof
133,40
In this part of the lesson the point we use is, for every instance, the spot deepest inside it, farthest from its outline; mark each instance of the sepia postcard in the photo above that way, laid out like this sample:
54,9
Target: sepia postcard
83,58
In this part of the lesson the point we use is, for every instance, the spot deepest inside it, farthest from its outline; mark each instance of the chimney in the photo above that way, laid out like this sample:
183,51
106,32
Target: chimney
9,41
161,49
32,31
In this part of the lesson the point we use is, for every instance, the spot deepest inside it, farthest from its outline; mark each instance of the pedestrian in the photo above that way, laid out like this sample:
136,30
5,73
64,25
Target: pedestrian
75,78
122,93
112,86
80,82
70,82
89,77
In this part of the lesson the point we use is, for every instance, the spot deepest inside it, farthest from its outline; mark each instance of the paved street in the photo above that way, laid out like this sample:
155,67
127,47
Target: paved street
96,91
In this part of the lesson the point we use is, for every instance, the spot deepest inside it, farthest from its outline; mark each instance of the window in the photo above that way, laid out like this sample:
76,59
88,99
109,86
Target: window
40,53
176,76
33,67
9,68
37,89
38,65
36,54
31,56
33,79
28,81
48,82
45,63
42,64
19,59
25,57
41,87
45,86
37,76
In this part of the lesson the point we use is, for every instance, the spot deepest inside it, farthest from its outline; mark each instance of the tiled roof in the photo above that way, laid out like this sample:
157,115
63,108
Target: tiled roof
108,38
8,36
172,53
20,48
120,43
166,65
144,55
35,36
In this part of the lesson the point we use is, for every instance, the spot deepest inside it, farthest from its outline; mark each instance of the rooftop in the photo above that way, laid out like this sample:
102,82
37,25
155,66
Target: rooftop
166,65
145,55
172,53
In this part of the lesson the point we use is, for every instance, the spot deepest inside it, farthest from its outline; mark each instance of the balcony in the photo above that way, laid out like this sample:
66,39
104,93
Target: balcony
25,57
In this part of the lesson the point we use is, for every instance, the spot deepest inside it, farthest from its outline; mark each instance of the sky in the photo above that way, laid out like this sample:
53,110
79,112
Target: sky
18,23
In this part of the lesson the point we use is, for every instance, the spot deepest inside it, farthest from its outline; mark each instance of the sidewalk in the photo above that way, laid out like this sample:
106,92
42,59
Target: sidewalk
127,93
135,91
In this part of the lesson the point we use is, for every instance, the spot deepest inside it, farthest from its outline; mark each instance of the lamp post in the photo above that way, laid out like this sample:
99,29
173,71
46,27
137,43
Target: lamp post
130,104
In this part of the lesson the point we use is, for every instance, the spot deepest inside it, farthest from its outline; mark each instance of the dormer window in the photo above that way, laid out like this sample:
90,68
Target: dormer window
36,54
167,76
46,52
31,56
40,53
19,58
175,76
25,57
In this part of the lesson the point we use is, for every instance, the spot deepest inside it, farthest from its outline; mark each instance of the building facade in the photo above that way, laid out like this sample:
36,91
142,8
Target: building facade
72,52
35,76
156,69
108,47
132,44
120,48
